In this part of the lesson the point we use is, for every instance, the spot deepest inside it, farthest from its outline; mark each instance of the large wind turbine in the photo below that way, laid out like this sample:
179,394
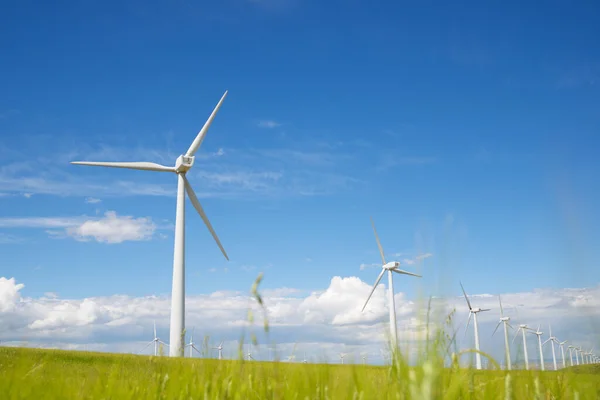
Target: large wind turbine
474,311
552,340
522,328
390,267
539,336
504,320
182,165
571,347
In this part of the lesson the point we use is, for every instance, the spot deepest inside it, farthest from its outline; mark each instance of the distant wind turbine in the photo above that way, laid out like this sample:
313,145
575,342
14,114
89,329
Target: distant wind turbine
342,355
474,311
220,348
504,320
562,352
539,336
182,165
552,340
156,341
571,353
390,267
192,345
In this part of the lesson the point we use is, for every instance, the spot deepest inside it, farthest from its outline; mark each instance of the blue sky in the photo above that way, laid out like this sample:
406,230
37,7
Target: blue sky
468,132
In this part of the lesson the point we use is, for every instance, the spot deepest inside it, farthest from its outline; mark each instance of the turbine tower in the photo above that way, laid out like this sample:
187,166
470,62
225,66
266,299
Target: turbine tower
504,320
474,311
522,328
182,165
552,340
539,336
392,266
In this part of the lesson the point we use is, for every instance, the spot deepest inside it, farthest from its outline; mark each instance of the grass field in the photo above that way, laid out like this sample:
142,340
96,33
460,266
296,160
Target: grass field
54,374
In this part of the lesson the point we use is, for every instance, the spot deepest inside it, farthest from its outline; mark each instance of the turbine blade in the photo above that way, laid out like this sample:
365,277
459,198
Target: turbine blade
516,334
484,309
198,208
154,329
501,310
146,346
374,286
378,242
142,166
496,328
400,271
200,137
546,341
466,298
468,321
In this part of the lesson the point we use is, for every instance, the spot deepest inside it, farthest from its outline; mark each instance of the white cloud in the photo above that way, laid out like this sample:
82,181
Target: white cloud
268,124
92,200
322,321
109,229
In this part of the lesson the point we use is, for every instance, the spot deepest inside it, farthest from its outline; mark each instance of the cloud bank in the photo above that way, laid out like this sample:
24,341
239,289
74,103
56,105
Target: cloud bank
322,323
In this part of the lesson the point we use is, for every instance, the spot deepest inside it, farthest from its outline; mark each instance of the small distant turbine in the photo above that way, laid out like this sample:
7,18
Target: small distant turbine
523,328
539,336
156,341
552,340
571,354
364,359
390,267
304,361
249,354
562,352
220,348
192,345
504,320
474,311
342,355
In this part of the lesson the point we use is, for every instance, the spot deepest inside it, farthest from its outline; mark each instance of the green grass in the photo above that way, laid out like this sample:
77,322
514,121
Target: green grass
56,374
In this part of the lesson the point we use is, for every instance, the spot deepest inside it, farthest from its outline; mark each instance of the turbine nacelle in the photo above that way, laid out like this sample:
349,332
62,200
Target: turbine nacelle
505,319
391,265
184,163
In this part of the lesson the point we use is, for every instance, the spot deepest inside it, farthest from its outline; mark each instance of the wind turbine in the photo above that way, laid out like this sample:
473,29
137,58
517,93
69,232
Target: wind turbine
304,361
192,345
156,341
249,354
562,352
220,348
552,340
539,336
474,311
389,267
504,320
182,165
571,353
342,355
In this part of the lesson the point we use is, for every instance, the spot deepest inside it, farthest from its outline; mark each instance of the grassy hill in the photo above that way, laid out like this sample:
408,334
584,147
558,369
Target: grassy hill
54,374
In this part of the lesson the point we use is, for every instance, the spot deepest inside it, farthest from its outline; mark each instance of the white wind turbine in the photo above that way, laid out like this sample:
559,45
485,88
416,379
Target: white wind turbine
156,341
305,360
182,165
220,348
504,320
474,311
552,340
577,350
539,336
571,353
562,352
192,345
390,267
249,354
342,355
